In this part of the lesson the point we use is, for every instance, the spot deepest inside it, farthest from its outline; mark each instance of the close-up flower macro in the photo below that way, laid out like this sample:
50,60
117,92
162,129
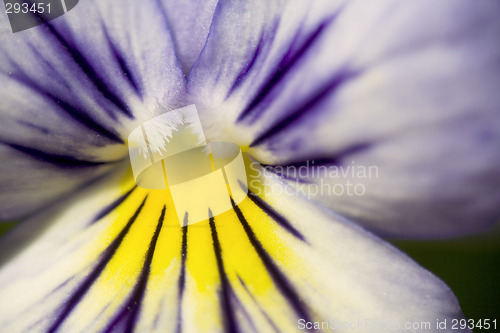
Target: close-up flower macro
244,165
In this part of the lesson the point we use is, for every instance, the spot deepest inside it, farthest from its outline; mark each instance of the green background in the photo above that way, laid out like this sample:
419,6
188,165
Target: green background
469,265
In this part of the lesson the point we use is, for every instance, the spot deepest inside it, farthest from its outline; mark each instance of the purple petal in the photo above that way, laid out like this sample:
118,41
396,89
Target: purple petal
190,22
71,92
368,83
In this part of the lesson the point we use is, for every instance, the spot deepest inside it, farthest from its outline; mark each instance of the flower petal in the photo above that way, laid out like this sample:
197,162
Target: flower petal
31,179
190,22
114,258
368,83
73,89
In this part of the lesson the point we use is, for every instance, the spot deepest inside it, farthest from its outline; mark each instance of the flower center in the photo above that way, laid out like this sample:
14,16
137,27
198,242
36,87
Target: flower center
169,152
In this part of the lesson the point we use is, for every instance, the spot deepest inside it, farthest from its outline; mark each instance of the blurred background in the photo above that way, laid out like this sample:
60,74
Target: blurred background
469,265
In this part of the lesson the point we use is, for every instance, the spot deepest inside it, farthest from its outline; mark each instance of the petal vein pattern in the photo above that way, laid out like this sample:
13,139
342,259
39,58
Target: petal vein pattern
116,260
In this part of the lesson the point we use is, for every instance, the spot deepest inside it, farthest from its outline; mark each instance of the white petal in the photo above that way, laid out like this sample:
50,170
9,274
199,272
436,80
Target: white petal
256,268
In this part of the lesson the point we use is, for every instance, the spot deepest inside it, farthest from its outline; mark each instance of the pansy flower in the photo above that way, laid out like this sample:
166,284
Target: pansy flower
407,87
